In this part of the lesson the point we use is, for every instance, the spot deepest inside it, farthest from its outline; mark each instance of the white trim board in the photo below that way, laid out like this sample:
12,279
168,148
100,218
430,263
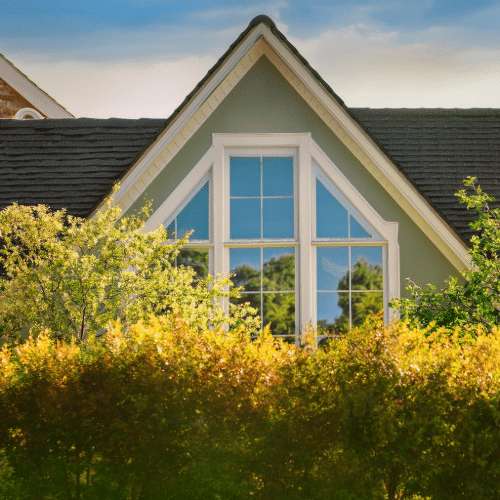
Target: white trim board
261,41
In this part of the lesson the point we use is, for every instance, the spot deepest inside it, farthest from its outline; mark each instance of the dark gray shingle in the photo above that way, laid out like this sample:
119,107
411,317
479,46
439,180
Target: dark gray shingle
66,163
437,148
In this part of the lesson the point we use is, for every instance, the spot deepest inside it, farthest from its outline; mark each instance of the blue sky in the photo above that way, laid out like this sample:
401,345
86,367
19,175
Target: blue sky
134,58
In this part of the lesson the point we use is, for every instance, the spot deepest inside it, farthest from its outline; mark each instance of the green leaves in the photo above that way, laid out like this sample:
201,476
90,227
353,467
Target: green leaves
74,276
476,300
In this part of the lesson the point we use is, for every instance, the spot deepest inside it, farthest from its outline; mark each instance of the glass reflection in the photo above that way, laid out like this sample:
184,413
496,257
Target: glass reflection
244,177
245,264
245,218
278,218
279,269
195,216
366,272
196,259
332,312
331,216
277,174
279,312
365,303
356,229
332,268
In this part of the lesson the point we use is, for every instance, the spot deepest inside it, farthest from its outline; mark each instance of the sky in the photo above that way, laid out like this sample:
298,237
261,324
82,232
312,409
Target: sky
140,58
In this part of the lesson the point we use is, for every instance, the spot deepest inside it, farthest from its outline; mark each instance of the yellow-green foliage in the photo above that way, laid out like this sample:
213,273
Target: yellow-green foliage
75,275
162,411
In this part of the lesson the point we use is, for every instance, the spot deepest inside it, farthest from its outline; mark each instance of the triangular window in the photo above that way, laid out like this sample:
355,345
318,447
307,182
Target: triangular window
193,216
336,218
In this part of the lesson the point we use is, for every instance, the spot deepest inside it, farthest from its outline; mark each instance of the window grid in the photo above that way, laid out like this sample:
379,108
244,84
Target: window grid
263,292
350,290
263,197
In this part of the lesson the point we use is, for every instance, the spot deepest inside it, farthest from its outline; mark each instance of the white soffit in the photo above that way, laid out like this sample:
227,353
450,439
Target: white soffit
261,41
33,94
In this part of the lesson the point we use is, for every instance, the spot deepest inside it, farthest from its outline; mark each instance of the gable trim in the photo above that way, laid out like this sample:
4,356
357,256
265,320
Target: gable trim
262,41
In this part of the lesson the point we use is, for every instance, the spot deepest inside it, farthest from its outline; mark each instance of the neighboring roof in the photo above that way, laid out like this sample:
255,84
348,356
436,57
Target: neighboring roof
38,99
68,163
437,148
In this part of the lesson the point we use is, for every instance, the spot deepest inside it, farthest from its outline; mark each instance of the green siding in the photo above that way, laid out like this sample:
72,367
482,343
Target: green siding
264,102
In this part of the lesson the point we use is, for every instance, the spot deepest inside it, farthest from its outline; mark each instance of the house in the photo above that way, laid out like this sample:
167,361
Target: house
320,210
21,99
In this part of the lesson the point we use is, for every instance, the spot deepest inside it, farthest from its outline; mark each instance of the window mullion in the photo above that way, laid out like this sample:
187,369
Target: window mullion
304,182
220,214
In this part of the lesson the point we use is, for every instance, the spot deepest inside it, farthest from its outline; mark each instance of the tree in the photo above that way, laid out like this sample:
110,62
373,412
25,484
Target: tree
73,276
477,300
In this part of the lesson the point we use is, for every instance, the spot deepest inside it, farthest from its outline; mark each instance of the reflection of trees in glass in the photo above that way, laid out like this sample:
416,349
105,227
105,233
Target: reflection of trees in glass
278,275
196,259
279,312
364,276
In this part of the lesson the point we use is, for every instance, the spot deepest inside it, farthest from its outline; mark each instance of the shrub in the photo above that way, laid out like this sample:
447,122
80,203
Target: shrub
162,411
477,300
73,276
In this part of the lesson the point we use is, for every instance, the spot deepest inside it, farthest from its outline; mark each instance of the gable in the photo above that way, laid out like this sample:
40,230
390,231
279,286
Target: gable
265,39
263,102
18,92
11,102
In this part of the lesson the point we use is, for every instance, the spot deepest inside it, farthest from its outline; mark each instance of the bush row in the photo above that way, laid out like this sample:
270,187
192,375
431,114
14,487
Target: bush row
163,412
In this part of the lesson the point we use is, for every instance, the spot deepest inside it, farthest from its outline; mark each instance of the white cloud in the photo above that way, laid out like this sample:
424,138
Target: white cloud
132,89
364,66
371,68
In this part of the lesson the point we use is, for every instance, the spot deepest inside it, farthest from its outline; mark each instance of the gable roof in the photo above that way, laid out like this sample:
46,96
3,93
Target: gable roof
68,163
378,146
30,92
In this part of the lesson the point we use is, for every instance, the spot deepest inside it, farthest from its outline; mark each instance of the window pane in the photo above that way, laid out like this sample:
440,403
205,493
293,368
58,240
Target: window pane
197,259
279,312
332,312
333,268
279,269
365,303
245,219
356,230
245,264
331,216
278,218
366,271
195,216
277,176
245,177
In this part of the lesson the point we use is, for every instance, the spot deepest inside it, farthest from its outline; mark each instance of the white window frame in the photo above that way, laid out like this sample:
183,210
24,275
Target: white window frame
308,158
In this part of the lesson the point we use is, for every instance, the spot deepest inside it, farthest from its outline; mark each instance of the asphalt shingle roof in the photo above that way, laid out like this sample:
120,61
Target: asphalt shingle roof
437,148
66,163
